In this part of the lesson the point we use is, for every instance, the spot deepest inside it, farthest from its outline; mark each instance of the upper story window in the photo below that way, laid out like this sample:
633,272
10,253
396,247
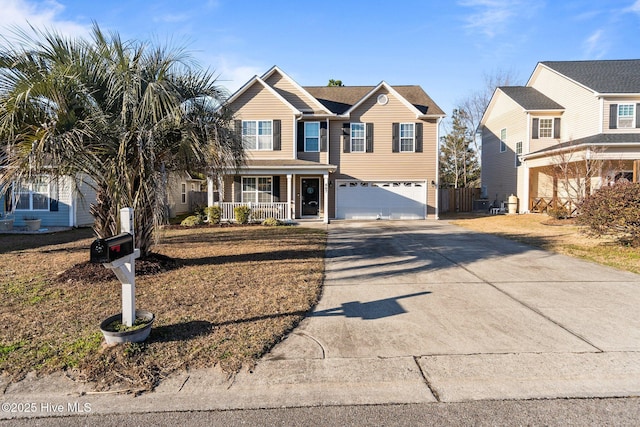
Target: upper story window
33,195
358,135
545,129
503,140
626,114
518,152
312,136
257,134
407,137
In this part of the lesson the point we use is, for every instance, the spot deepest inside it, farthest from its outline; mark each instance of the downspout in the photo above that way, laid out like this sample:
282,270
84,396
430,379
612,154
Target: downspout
437,180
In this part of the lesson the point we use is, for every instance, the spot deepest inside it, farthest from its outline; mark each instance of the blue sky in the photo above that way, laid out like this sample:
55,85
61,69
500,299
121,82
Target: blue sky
447,47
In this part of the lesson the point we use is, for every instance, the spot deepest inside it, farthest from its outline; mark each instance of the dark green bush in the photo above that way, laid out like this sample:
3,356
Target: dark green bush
613,211
214,213
242,214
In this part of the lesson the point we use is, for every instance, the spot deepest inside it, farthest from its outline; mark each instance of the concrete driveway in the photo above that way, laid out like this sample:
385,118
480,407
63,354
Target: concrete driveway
420,312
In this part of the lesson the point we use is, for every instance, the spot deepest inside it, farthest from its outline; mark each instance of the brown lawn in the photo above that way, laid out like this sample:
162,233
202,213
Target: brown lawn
235,293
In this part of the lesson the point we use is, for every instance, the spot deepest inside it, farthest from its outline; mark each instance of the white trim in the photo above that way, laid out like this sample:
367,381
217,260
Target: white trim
437,180
297,86
503,142
257,189
257,135
271,90
289,201
633,116
320,200
325,185
364,138
305,137
392,91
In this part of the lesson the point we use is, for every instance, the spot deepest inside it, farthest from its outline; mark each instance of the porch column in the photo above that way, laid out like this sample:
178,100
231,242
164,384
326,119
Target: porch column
524,199
289,207
326,197
210,198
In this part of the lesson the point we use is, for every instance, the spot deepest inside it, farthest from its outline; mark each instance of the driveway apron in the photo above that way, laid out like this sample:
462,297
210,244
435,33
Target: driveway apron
466,316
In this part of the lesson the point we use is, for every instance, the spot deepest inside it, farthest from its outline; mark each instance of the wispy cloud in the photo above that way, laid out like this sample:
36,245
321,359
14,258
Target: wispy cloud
635,7
491,16
42,15
172,18
595,46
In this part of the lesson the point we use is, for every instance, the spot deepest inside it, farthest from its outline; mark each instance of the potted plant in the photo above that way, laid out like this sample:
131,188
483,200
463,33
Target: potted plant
32,223
115,332
6,223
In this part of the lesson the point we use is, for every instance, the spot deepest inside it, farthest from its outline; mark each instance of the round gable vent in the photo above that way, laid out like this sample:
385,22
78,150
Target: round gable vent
383,99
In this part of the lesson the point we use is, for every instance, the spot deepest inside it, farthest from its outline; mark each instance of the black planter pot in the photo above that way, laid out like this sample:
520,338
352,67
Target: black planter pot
137,335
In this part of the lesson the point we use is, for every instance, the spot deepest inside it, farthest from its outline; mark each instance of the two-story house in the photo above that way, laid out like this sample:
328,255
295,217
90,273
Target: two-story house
365,152
577,117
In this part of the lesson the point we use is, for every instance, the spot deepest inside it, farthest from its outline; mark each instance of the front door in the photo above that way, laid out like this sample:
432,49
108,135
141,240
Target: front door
310,196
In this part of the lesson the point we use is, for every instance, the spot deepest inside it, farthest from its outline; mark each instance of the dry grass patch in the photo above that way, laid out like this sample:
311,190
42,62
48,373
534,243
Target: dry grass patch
560,236
235,294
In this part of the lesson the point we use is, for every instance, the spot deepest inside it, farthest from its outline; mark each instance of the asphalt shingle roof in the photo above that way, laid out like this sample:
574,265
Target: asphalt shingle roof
339,99
530,99
633,139
610,76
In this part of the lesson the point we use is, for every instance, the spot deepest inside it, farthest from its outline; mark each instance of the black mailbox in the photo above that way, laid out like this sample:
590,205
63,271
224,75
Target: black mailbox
111,248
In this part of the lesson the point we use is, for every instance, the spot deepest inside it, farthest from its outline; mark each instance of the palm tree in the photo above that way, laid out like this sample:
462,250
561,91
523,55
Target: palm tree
122,113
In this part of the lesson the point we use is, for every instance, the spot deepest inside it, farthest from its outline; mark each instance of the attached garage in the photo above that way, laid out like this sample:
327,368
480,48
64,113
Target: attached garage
381,199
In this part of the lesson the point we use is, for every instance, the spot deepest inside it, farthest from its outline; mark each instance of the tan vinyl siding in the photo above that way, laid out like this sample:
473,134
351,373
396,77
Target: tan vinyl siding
582,108
292,94
383,164
257,103
498,168
321,157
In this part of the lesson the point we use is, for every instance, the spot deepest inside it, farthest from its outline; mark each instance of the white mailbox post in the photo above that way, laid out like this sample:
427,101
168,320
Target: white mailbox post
125,270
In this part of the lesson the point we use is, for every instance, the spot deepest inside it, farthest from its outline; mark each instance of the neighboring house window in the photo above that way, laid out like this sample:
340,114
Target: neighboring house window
33,195
312,137
546,128
257,134
357,137
518,152
183,193
503,140
407,137
257,189
626,115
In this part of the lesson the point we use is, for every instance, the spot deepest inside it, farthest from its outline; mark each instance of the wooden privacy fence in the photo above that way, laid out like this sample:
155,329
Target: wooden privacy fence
457,199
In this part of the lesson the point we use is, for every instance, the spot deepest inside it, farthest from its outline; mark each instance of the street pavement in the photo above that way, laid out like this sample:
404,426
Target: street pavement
421,313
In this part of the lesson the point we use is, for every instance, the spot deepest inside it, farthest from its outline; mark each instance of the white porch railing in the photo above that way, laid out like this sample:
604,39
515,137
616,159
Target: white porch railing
259,211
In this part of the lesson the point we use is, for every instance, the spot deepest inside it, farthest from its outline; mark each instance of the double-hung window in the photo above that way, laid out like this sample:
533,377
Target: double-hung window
312,137
545,129
503,140
518,152
257,189
407,137
626,113
358,134
257,134
33,195
183,193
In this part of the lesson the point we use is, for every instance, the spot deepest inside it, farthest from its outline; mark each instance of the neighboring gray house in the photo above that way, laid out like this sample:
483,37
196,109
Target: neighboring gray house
580,113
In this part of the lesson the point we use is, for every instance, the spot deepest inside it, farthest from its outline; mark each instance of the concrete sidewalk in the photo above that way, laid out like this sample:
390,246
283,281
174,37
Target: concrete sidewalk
417,312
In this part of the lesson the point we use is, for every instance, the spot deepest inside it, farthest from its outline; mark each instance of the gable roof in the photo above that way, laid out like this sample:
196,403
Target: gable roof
341,99
258,80
310,98
530,99
606,76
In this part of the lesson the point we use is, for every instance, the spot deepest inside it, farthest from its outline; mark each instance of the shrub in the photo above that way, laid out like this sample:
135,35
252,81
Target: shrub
242,214
559,212
271,222
613,211
192,220
214,213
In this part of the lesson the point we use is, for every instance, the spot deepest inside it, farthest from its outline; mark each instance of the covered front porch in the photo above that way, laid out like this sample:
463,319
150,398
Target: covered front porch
564,179
281,189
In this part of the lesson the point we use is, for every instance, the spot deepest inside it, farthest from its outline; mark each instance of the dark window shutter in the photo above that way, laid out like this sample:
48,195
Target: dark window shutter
238,127
277,135
300,136
369,130
323,136
275,188
346,137
418,147
638,115
54,196
237,188
534,128
613,116
7,199
395,137
556,127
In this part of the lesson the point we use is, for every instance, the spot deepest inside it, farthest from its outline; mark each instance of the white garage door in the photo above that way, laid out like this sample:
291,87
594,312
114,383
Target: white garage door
381,200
